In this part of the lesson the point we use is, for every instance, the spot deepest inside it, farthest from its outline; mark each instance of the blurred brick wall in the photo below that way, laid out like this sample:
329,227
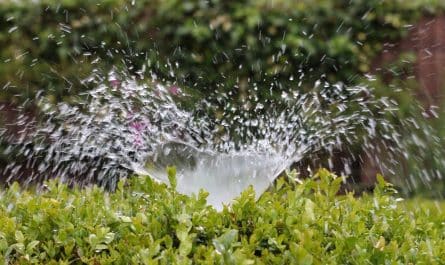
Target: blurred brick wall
426,40
10,115
429,44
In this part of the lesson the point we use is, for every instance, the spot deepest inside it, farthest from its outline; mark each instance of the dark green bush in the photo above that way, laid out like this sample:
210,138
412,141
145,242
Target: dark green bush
210,45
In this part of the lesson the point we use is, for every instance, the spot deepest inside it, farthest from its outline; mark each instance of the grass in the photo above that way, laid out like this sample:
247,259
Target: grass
144,222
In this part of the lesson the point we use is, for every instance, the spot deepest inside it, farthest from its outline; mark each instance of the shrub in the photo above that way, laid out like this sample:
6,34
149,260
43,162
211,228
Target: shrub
209,45
144,222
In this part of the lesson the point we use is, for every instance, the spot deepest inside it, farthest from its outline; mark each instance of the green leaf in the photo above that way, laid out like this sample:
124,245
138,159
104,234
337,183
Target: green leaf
93,240
301,255
19,237
223,243
68,247
381,181
186,246
125,219
109,237
3,244
309,214
101,247
30,247
171,173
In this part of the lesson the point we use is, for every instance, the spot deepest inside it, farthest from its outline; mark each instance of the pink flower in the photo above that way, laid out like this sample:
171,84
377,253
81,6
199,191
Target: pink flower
174,90
115,83
138,127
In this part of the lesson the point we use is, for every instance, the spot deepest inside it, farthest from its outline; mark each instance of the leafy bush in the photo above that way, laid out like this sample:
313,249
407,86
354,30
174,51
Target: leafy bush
144,222
209,45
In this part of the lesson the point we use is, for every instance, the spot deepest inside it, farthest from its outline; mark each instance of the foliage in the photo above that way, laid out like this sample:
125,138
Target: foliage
247,47
144,222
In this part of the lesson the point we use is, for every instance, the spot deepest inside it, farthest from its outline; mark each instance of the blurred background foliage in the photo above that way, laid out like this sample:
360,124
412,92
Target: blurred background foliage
206,45
251,49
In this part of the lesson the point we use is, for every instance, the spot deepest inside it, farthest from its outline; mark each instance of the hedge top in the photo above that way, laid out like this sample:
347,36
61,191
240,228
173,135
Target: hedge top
147,223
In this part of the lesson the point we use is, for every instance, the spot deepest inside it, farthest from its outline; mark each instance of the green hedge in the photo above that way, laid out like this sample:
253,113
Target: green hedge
210,45
147,223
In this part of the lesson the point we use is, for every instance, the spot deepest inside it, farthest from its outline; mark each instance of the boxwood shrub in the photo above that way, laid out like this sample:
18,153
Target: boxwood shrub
143,222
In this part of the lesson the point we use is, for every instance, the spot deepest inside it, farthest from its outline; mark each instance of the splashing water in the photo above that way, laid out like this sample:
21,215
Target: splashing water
125,127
